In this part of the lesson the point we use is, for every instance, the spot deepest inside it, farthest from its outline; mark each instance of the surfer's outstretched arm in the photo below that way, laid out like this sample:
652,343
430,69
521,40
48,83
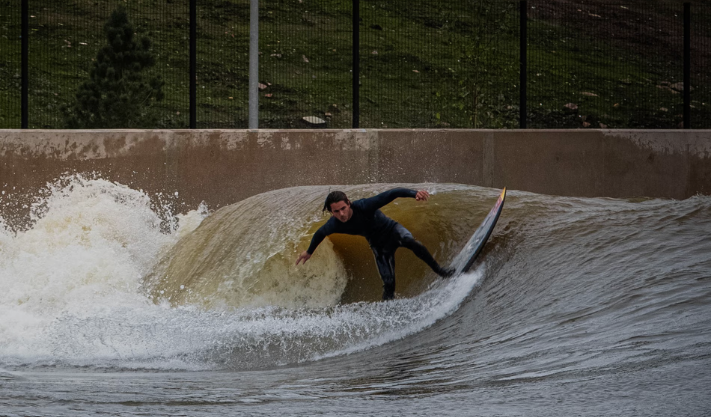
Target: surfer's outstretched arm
382,199
319,236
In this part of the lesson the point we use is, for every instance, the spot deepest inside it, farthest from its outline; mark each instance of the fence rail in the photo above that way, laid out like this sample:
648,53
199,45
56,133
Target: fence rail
377,64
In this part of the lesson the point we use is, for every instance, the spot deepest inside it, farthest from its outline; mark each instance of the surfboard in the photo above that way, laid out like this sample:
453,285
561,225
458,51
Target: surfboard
464,260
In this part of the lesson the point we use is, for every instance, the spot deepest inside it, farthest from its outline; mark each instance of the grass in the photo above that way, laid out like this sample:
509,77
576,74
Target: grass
423,64
610,86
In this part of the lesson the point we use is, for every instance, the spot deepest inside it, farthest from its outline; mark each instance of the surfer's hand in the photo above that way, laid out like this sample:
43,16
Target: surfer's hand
422,195
304,256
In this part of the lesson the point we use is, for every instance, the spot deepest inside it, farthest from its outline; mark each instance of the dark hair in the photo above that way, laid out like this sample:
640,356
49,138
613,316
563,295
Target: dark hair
335,197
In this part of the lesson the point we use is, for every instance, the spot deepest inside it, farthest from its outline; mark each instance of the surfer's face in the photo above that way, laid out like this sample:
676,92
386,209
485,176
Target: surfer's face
341,210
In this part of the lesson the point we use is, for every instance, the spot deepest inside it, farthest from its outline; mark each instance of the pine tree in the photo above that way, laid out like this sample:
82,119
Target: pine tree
116,94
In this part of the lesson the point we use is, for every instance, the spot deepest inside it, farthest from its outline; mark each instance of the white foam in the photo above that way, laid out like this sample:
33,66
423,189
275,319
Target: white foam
72,296
90,245
409,316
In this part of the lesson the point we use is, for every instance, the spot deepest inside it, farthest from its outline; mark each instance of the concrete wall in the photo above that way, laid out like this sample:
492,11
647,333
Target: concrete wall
224,166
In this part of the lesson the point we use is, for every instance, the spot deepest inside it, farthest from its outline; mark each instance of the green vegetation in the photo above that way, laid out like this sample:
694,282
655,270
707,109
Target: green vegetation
117,94
423,64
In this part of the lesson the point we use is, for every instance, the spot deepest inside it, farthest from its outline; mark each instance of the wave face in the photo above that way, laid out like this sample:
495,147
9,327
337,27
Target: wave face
569,289
243,255
98,280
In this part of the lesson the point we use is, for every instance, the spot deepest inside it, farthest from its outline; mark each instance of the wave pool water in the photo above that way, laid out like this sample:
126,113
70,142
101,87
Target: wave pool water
580,307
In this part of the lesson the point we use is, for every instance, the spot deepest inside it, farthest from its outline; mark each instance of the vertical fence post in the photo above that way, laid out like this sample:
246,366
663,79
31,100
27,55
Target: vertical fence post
523,60
356,63
193,64
254,64
687,65
24,91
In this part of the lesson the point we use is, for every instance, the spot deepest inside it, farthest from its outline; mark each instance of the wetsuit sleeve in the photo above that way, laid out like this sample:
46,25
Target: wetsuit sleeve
374,203
319,236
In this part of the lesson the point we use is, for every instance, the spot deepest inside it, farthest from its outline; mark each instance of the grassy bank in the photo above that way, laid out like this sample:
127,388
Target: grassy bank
423,64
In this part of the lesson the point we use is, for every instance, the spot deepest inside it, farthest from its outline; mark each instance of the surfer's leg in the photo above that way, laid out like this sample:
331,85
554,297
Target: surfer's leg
385,260
409,242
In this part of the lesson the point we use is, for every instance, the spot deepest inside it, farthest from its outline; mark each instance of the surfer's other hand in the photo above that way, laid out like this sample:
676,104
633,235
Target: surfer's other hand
304,256
422,195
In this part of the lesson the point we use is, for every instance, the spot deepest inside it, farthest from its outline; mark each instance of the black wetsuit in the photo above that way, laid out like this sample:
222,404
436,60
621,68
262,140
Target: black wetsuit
383,234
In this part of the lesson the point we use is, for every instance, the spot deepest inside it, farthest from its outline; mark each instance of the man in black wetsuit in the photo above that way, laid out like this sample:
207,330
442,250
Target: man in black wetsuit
364,218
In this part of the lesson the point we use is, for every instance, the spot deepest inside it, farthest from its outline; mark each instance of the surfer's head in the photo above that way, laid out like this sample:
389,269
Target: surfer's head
338,205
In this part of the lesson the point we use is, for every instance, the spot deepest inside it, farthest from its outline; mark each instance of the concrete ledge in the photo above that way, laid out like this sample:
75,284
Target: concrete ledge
224,166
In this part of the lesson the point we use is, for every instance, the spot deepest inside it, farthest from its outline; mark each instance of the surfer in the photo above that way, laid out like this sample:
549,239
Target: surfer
364,218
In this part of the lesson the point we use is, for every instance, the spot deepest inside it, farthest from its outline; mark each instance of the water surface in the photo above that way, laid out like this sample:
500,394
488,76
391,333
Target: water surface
579,307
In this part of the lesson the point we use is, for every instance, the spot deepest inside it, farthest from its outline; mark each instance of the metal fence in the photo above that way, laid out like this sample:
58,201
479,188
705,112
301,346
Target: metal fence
405,64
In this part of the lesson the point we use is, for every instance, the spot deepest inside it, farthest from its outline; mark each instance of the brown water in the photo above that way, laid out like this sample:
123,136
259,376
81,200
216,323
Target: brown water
579,307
